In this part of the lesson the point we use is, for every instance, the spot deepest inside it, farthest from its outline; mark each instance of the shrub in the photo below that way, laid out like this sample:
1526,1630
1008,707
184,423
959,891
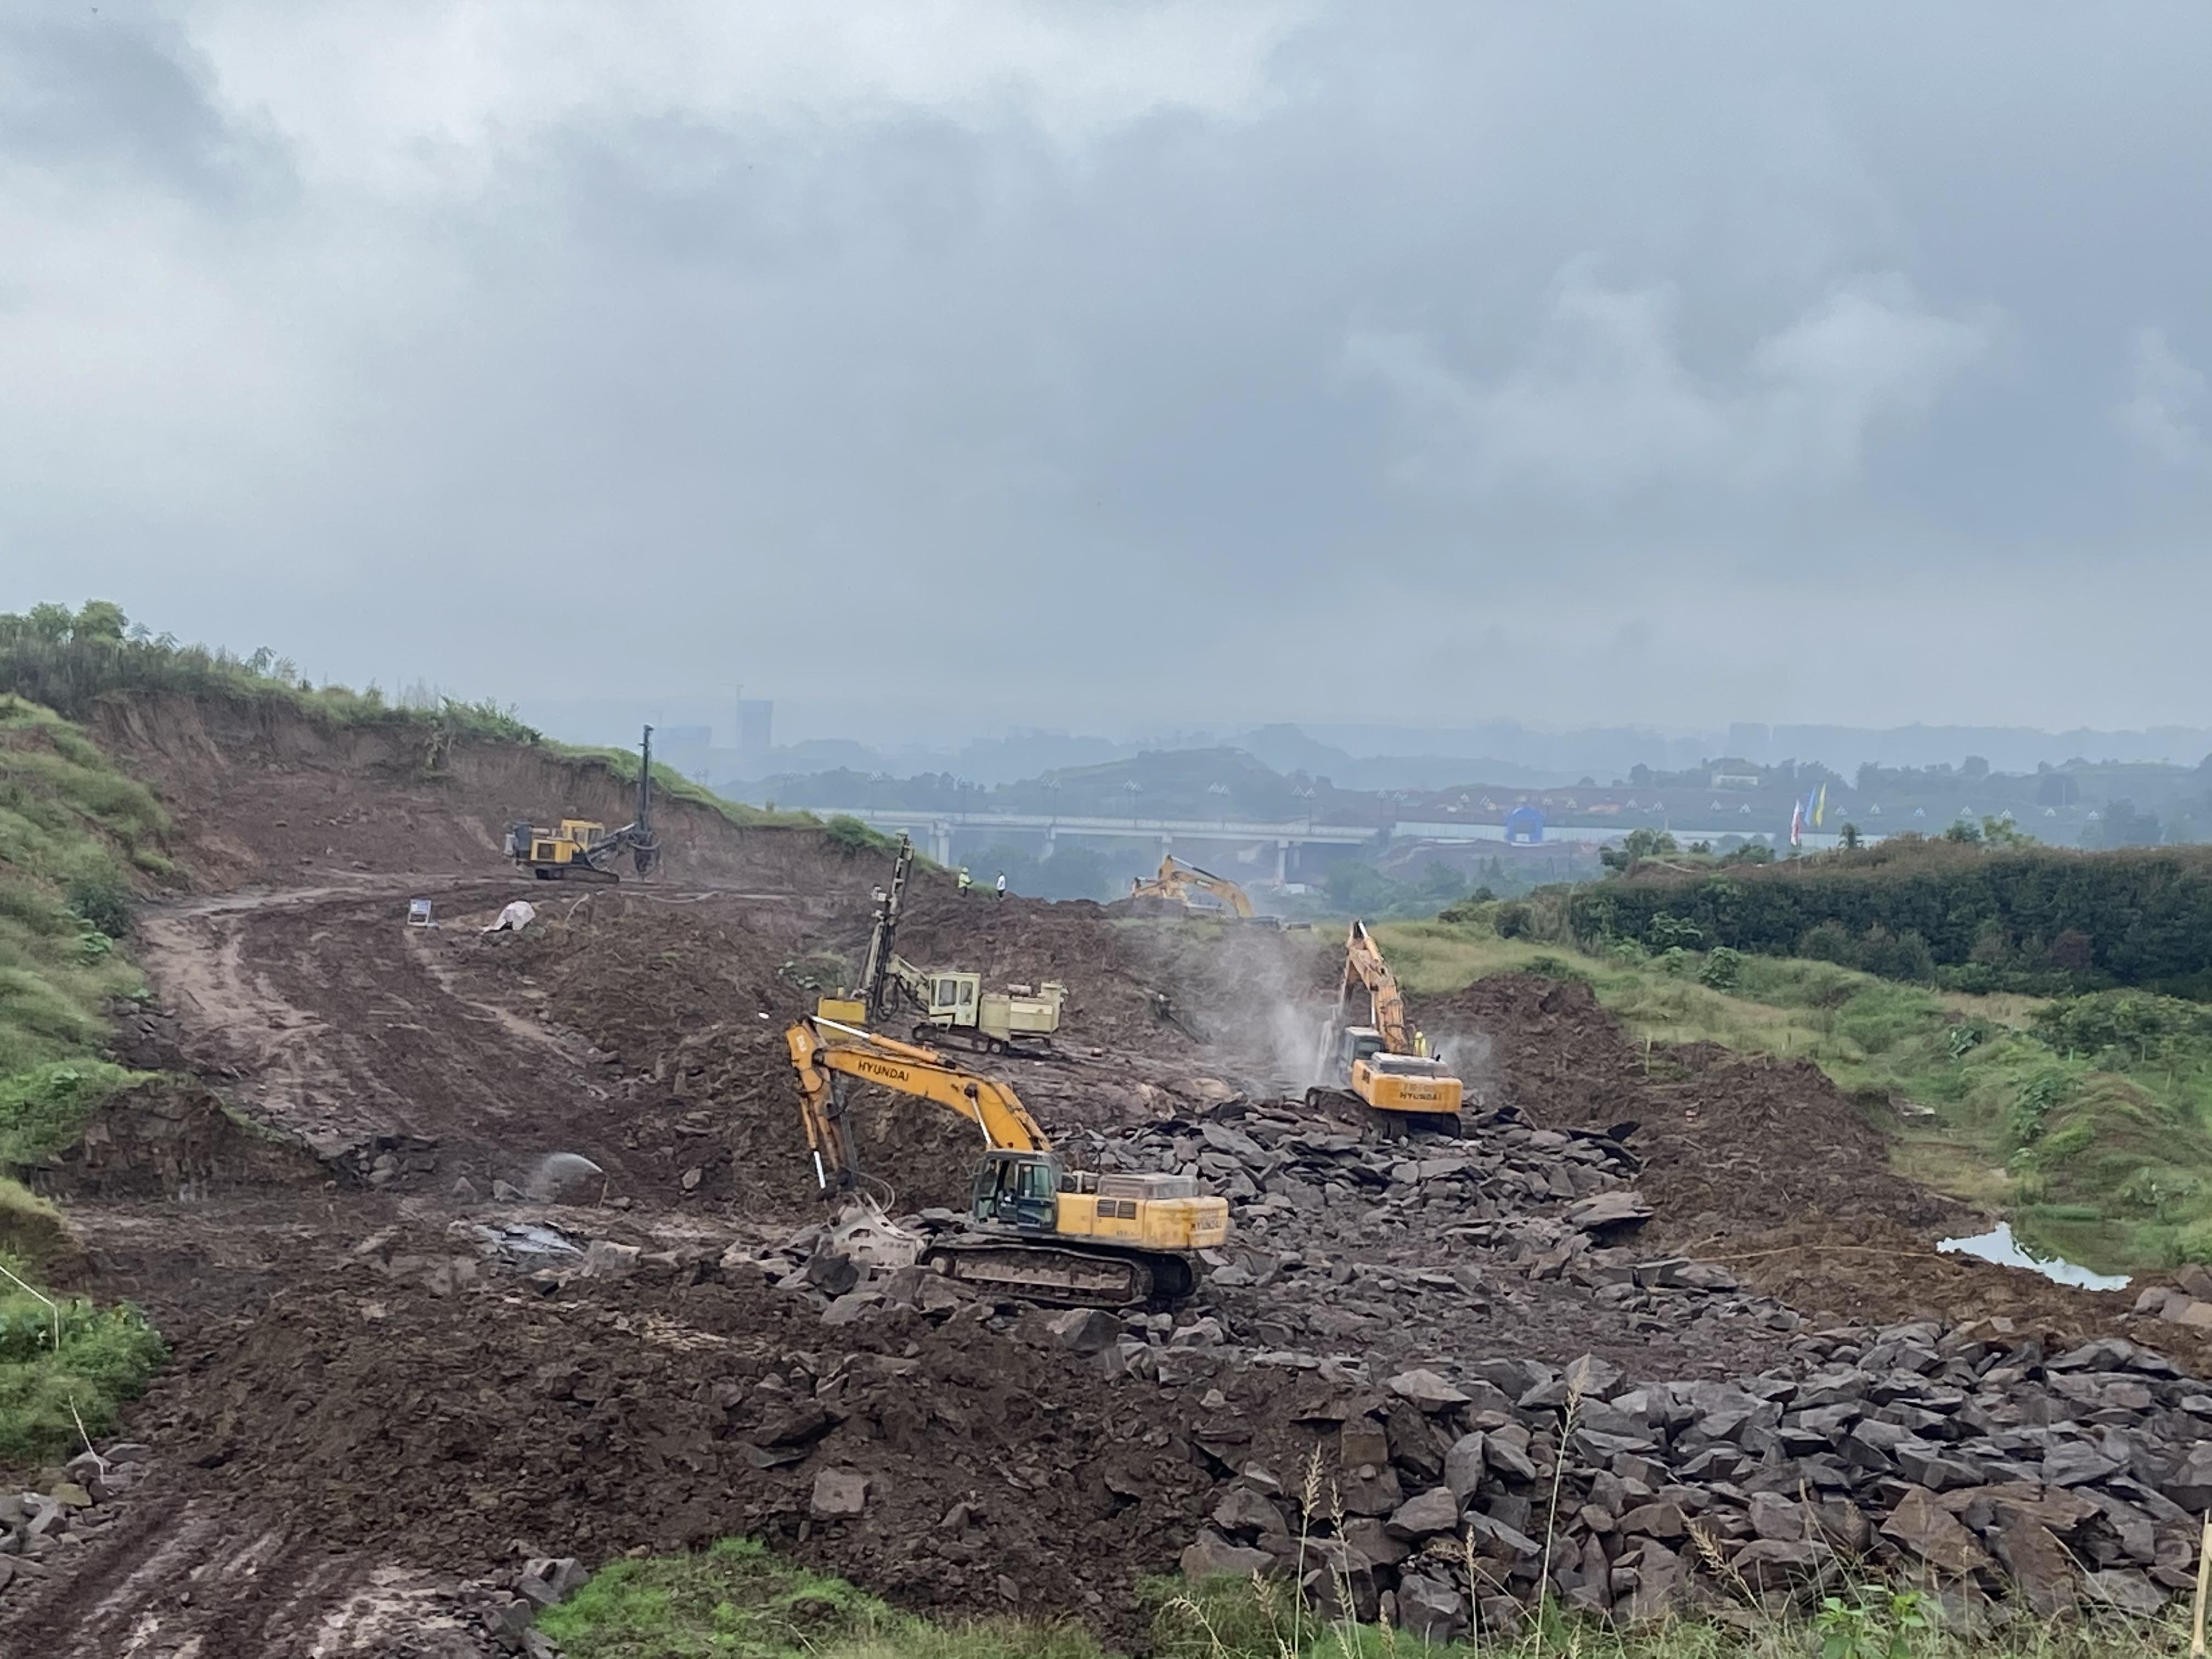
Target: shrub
1516,920
1723,968
852,837
103,899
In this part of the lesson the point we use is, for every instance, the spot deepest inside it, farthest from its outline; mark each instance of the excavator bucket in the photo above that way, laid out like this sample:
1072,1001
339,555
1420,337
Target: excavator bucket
865,1236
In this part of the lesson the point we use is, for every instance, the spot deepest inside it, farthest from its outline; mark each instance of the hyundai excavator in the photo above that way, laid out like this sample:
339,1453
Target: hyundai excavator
1384,1064
1177,883
950,1005
1034,1228
582,849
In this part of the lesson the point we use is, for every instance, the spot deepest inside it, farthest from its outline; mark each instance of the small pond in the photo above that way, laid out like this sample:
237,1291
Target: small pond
1998,1245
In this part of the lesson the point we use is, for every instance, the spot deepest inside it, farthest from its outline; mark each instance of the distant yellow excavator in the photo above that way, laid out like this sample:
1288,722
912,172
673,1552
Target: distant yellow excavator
1384,1065
1178,882
1036,1229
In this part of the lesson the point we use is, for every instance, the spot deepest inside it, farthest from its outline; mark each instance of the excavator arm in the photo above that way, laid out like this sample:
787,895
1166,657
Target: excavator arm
822,1051
1364,968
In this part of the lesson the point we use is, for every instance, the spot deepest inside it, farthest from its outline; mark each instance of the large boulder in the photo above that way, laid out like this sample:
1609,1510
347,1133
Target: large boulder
1425,1514
839,1494
1923,1528
1431,1610
1211,1556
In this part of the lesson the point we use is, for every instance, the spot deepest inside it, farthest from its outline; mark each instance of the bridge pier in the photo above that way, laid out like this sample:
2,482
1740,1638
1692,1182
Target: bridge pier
1282,860
940,841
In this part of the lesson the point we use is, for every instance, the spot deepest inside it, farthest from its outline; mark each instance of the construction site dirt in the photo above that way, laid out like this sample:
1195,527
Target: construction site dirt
475,1247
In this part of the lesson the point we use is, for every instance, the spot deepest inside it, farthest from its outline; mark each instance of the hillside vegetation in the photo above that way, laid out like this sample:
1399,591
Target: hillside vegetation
67,661
76,835
2087,1117
1957,914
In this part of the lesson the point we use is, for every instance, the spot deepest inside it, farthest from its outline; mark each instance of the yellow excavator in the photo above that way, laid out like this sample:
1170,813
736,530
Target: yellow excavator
1034,1228
1179,884
1384,1064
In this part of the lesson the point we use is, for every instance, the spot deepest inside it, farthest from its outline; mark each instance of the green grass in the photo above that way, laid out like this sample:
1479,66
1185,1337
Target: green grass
30,1227
45,1108
737,1600
2100,1153
106,1357
76,835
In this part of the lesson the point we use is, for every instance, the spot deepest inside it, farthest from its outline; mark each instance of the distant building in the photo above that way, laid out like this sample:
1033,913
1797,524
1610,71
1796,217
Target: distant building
1736,781
756,732
1525,825
1749,740
685,748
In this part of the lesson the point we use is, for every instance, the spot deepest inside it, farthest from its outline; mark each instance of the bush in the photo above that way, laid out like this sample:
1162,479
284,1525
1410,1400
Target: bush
1723,968
1516,920
106,1358
852,837
105,900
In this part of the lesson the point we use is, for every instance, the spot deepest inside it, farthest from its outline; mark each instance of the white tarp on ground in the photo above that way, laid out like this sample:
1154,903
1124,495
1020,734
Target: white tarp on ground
514,919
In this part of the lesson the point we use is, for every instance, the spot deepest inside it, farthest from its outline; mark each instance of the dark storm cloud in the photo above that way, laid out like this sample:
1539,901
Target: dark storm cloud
1130,364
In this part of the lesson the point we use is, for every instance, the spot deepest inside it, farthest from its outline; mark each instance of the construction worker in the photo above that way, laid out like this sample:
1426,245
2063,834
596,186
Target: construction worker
965,883
1002,887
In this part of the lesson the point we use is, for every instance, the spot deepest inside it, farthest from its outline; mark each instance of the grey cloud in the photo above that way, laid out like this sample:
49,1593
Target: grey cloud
2163,414
1136,359
1601,405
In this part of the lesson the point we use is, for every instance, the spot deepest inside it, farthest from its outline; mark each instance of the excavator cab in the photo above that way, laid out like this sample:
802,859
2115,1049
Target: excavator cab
1019,1189
1353,1045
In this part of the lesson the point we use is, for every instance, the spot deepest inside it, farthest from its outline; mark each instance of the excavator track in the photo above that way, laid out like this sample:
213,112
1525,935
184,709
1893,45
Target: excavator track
1062,1277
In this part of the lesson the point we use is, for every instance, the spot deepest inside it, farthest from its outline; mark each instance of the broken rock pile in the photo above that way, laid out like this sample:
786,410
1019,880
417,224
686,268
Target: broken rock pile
1968,1459
39,1529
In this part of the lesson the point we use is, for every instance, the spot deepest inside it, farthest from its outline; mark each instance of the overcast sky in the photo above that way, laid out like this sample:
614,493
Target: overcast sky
978,363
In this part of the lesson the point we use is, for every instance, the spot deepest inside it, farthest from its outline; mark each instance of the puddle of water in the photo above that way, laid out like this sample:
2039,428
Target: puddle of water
1999,1246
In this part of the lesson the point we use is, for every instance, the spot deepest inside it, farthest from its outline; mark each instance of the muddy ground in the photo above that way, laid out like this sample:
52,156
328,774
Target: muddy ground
383,1400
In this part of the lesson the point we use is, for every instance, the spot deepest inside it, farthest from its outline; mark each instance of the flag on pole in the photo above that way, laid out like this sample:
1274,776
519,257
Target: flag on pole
1796,823
1820,807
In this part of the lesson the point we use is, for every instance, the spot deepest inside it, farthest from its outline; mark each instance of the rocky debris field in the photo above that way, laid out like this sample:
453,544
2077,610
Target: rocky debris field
421,1360
1719,1450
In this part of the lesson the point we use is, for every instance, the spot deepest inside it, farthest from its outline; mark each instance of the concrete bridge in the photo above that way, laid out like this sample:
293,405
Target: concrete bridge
934,830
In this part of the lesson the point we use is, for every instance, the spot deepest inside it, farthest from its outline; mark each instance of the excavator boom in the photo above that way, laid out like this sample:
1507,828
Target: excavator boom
1364,968
907,1067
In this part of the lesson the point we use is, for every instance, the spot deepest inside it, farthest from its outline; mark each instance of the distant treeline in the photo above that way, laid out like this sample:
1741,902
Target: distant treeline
1968,917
